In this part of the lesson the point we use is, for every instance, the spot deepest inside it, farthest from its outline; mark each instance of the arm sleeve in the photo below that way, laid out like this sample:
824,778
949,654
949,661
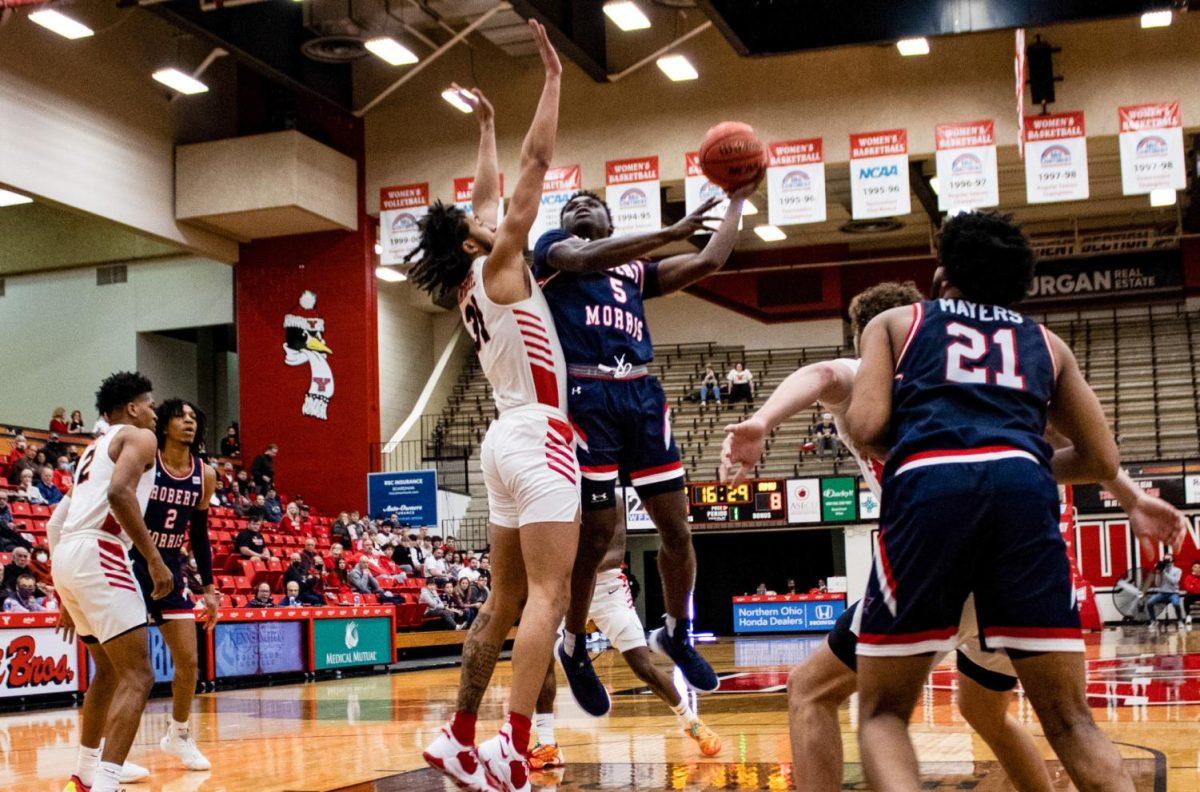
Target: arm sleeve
55,524
650,287
541,252
201,547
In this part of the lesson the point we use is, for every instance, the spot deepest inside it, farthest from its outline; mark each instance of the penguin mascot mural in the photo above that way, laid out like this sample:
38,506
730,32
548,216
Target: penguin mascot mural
304,344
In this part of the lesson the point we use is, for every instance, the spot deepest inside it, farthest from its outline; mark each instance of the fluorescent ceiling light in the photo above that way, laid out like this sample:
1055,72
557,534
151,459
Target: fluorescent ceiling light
769,233
61,24
391,51
935,185
1156,19
748,208
913,46
390,275
626,15
677,67
378,249
178,81
13,199
455,99
1162,197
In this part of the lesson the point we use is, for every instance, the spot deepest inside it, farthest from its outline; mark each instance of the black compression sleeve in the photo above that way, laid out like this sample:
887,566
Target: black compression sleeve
201,548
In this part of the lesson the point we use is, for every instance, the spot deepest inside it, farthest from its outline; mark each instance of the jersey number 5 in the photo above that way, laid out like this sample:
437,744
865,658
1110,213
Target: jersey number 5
475,326
972,347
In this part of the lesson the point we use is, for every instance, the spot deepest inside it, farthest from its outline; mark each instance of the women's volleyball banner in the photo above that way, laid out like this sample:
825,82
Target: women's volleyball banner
1056,167
400,209
633,194
1152,148
796,182
966,166
557,187
464,189
879,174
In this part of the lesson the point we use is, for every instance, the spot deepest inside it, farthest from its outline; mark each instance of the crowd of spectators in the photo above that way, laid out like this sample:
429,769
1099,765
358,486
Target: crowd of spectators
791,588
739,385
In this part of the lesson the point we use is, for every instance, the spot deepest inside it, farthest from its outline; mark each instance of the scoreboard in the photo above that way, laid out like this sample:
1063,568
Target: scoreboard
750,501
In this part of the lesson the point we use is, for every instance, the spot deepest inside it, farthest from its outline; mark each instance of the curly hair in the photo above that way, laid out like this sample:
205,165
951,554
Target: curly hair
987,257
585,194
441,264
120,389
869,303
173,408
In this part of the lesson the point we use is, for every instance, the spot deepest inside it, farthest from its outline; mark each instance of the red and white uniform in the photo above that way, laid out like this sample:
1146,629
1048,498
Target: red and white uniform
90,563
528,455
613,612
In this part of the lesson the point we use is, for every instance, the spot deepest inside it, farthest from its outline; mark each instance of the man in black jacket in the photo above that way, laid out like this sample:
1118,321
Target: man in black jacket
262,469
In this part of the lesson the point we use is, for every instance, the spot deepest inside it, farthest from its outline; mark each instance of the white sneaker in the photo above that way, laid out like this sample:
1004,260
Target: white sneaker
185,749
132,773
506,769
457,762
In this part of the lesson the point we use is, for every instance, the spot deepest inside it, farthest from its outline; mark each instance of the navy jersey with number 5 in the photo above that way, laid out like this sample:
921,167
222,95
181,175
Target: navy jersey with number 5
970,379
172,502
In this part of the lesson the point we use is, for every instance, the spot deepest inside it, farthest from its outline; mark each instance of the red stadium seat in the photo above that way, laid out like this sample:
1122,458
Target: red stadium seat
40,510
239,600
20,509
242,583
226,583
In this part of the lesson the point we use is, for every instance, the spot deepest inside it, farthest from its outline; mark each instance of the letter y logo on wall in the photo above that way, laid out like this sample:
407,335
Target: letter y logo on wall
304,343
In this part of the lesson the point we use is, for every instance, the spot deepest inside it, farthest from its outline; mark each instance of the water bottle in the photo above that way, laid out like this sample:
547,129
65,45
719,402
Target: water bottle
357,600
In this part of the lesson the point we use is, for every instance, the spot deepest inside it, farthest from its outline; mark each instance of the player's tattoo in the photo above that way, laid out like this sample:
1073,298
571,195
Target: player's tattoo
479,661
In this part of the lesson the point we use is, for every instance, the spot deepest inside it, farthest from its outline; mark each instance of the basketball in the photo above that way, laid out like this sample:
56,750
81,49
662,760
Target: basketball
732,155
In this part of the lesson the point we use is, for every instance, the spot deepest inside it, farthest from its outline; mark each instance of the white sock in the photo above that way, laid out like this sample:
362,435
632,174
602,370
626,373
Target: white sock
107,777
569,642
85,766
684,712
671,626
543,722
179,730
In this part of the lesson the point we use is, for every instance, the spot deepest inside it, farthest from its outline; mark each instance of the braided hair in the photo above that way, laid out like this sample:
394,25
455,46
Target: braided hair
439,262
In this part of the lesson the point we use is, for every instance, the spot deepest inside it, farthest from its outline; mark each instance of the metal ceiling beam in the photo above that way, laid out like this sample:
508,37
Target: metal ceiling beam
576,30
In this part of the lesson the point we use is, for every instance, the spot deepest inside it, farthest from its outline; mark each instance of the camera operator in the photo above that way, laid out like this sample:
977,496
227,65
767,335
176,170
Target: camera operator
1167,591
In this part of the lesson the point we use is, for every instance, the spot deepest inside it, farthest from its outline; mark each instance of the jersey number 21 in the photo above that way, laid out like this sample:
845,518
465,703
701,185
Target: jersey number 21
971,347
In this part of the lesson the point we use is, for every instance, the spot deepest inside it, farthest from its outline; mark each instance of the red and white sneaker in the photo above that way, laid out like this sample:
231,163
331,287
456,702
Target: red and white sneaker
460,763
507,770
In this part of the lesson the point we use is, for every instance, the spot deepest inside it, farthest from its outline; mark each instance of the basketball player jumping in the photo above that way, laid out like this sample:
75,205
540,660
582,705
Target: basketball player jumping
956,393
91,533
528,456
177,514
820,685
596,284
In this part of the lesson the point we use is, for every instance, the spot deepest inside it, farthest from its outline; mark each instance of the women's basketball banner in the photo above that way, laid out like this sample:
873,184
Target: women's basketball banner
633,194
464,189
1152,148
966,166
1056,167
879,174
400,209
558,186
796,182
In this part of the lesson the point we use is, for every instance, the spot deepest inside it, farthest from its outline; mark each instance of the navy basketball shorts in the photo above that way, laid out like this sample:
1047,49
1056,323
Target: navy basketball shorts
623,431
175,605
947,530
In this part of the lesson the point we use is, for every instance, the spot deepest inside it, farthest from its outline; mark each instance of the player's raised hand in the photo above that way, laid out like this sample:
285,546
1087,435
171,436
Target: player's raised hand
479,103
697,221
546,49
741,450
1155,521
749,188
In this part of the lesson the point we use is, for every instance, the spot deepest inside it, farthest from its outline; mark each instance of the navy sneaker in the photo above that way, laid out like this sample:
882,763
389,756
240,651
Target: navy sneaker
698,674
587,689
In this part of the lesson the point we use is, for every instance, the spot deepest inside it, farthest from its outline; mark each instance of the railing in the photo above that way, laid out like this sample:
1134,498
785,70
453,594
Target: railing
452,465
470,533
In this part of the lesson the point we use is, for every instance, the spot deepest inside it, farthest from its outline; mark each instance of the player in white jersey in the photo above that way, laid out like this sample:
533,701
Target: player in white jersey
817,687
528,455
90,533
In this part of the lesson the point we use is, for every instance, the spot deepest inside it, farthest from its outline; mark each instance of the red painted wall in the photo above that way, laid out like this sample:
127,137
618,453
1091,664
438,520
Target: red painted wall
324,461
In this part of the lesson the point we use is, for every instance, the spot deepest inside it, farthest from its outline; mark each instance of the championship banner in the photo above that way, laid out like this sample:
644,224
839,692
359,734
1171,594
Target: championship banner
1152,148
559,185
464,188
879,174
36,660
796,182
697,188
631,188
1056,167
400,208
966,166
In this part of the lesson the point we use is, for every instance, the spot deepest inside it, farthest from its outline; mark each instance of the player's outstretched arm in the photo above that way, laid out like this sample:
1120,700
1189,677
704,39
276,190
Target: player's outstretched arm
1076,413
135,454
504,272
870,409
828,381
678,272
55,524
485,196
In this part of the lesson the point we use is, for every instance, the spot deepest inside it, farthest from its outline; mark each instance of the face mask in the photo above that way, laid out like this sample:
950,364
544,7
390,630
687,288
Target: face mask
26,593
41,557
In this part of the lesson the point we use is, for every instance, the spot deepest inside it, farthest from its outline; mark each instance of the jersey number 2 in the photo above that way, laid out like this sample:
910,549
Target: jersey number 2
972,347
475,326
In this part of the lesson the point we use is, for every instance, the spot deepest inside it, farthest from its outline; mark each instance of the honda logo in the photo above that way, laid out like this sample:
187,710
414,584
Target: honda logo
823,612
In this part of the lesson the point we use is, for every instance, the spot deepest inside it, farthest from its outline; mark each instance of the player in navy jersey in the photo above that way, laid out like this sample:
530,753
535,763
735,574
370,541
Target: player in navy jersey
595,284
177,516
956,393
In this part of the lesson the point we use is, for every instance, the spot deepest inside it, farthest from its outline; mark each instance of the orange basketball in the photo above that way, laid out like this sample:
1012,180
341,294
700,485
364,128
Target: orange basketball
732,155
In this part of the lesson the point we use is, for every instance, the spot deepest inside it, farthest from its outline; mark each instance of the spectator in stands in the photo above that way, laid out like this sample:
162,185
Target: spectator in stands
470,570
26,461
6,517
1167,592
339,532
292,598
409,552
435,564
710,386
1191,589
64,476
462,594
824,435
820,588
191,576
272,508
339,572
363,582
481,589
791,587
263,467
19,565
291,522
24,596
741,387
100,427
230,445
306,523
51,494
245,487
27,489
54,450
249,543
434,606
226,477
262,597
58,421
307,577
75,425
453,565
454,603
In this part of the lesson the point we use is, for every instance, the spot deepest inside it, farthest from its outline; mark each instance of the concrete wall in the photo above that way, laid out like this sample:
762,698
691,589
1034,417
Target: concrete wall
684,319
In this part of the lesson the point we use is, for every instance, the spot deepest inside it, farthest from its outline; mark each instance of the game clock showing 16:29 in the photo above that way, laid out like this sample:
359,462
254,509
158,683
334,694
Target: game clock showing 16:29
750,501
